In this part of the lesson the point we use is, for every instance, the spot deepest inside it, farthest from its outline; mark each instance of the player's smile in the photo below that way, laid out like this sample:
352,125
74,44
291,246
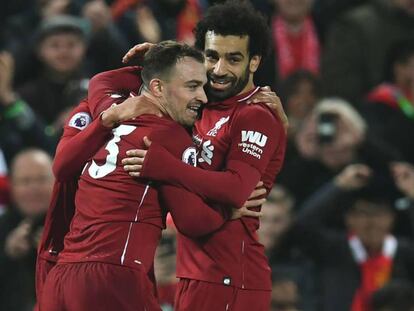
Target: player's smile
193,108
221,83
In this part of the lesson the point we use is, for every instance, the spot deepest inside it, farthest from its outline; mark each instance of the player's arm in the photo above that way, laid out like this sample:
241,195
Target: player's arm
108,86
193,217
243,170
80,140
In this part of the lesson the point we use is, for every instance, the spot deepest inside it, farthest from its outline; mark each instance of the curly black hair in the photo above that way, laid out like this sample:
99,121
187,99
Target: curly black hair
236,18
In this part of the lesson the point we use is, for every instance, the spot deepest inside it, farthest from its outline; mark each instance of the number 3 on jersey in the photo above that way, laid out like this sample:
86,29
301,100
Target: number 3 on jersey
98,171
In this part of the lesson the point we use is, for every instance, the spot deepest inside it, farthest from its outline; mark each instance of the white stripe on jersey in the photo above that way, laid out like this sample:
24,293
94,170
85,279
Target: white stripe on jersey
130,225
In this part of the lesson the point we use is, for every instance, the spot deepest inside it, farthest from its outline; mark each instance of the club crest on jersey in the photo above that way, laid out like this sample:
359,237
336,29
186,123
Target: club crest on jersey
252,143
80,120
190,156
217,126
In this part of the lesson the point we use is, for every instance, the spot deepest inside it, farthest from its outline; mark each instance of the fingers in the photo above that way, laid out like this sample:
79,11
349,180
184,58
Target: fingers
138,50
254,203
248,213
141,153
257,193
259,184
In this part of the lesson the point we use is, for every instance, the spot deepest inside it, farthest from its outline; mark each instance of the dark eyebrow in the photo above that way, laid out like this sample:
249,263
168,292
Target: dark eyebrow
211,52
235,54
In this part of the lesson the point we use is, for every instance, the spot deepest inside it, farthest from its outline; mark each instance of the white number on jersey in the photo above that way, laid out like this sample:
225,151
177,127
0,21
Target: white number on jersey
98,171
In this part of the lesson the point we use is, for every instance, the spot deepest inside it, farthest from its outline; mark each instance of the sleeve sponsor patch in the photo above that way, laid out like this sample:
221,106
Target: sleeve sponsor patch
252,143
80,120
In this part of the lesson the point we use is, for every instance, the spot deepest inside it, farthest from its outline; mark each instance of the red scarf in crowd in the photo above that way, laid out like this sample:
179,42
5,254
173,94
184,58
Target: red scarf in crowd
375,270
296,51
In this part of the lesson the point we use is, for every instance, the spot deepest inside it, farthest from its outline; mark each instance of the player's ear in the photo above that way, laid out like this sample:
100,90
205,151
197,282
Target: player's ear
254,63
156,87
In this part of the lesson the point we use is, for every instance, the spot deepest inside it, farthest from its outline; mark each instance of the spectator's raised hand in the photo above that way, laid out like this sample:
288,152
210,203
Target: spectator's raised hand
352,177
267,96
7,95
17,242
403,174
147,25
98,13
54,7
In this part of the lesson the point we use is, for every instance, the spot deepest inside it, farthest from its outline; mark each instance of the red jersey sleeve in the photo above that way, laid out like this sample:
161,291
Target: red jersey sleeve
255,135
191,215
112,86
80,140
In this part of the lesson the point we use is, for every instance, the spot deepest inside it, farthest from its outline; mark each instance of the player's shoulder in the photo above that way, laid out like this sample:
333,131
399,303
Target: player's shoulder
258,112
166,130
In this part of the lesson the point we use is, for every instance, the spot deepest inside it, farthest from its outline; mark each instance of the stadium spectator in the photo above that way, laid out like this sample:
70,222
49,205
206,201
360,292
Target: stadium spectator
285,296
285,258
295,42
338,148
403,174
363,258
61,47
299,93
356,45
390,107
20,228
107,43
19,126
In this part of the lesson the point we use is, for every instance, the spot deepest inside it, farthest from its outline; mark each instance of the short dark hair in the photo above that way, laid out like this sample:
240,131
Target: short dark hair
399,53
373,194
235,18
162,57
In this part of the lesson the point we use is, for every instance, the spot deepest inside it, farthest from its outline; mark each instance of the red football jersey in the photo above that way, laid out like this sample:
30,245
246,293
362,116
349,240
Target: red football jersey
118,219
246,143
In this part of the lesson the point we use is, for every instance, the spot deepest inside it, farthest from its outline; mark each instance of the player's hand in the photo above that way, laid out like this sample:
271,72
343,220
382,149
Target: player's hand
403,174
138,51
354,176
129,109
135,159
267,96
245,212
254,198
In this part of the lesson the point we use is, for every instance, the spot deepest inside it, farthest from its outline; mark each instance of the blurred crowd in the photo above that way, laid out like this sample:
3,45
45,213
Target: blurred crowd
338,226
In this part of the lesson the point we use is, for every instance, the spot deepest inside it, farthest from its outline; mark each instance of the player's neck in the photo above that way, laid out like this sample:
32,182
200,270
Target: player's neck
154,100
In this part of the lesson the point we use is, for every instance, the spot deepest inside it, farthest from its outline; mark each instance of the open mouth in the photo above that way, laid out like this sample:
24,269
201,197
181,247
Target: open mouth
220,84
194,108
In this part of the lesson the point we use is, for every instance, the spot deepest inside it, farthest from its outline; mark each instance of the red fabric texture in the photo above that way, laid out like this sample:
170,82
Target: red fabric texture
296,50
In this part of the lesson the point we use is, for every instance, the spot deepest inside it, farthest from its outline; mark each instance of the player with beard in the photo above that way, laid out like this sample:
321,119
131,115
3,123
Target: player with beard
227,270
115,230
